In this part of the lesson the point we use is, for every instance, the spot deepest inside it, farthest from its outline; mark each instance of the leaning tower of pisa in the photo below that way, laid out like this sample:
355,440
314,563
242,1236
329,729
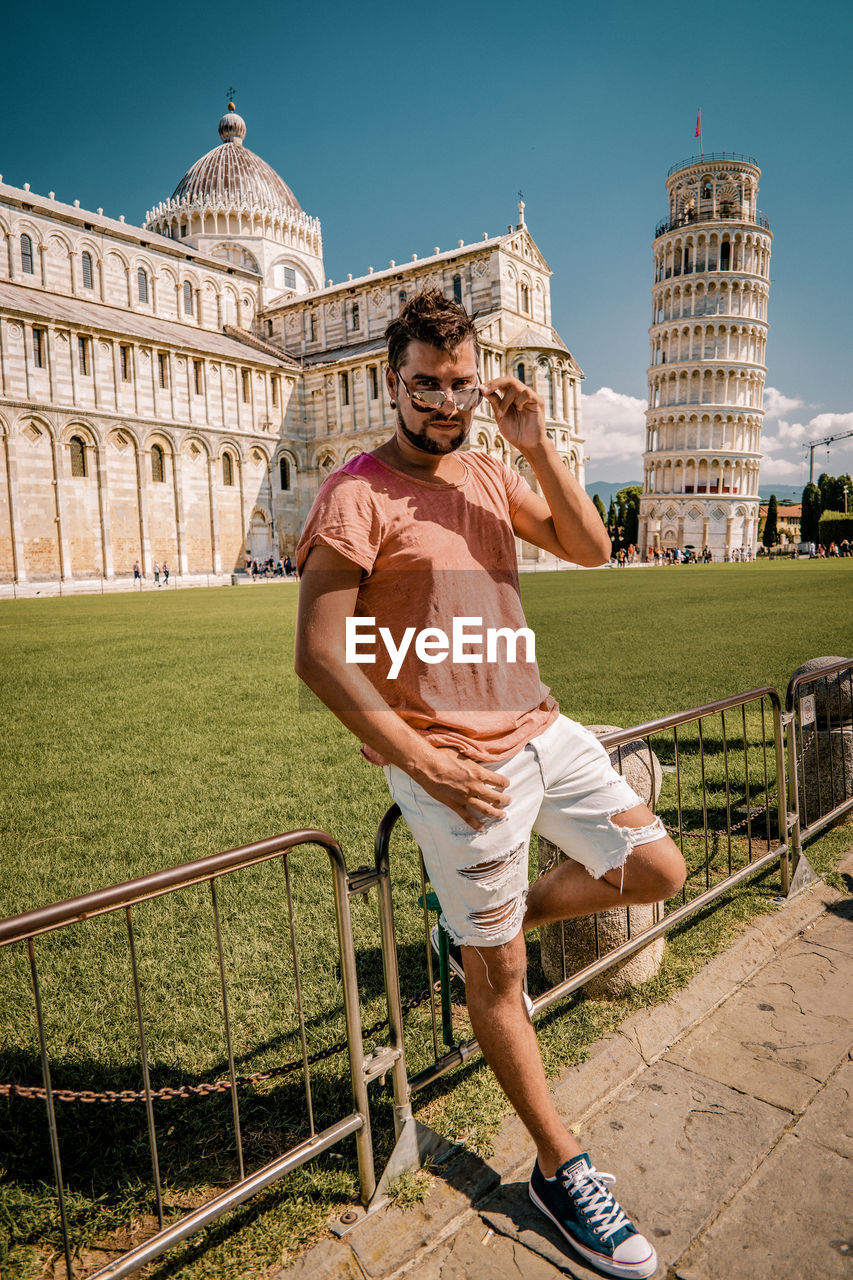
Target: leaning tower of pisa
706,373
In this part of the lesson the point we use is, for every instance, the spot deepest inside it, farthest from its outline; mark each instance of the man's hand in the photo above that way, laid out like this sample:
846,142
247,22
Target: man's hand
471,790
519,412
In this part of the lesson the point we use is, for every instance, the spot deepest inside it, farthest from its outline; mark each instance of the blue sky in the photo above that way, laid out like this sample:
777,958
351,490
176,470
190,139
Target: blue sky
405,127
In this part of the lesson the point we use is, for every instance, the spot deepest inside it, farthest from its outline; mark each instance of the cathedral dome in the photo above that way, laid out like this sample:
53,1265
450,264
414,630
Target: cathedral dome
233,177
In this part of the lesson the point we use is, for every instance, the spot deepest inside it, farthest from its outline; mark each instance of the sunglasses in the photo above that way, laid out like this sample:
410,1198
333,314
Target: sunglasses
464,397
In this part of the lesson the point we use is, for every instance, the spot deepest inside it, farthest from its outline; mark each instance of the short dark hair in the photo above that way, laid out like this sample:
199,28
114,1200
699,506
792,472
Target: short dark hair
429,317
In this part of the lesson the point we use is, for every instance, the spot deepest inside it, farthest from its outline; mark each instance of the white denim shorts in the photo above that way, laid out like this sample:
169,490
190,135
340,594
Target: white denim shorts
563,786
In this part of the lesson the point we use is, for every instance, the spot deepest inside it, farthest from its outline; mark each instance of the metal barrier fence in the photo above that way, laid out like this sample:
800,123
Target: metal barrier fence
721,794
122,899
819,707
718,776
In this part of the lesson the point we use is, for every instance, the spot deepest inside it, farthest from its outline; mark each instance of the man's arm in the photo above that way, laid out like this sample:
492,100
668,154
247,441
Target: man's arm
328,592
562,519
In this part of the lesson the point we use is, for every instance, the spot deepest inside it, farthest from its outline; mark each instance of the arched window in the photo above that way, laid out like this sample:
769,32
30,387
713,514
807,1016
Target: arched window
356,316
401,297
78,456
26,255
524,294
158,464
227,469
457,289
284,473
188,298
706,189
519,373
142,285
725,255
88,275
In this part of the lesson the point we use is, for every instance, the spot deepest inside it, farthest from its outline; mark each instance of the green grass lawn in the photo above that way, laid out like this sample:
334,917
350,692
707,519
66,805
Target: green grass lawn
140,731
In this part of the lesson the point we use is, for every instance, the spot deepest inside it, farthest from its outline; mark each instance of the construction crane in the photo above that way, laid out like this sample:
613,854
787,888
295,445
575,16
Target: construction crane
815,444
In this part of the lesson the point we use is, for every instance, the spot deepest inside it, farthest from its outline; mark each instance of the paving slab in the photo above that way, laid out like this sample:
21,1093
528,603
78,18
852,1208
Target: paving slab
478,1252
578,1092
784,1033
668,1139
829,1119
511,1212
329,1260
388,1239
793,1219
653,1031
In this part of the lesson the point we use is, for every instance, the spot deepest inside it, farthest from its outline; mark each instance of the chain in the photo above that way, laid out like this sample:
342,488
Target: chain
204,1089
168,1093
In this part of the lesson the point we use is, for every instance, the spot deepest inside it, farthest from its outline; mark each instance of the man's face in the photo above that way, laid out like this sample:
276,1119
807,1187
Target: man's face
439,429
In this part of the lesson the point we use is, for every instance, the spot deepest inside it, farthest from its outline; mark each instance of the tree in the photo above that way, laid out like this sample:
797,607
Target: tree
832,492
769,537
629,513
811,513
599,506
612,519
845,500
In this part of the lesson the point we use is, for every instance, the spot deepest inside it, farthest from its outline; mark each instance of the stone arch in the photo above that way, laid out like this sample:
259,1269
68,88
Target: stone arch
26,227
38,420
292,471
259,535
195,447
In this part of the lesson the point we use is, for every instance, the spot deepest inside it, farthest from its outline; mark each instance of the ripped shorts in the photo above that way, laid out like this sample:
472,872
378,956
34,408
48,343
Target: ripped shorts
563,786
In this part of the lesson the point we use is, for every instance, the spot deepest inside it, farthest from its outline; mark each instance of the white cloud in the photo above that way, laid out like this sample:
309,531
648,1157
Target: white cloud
781,469
827,424
775,403
792,433
614,428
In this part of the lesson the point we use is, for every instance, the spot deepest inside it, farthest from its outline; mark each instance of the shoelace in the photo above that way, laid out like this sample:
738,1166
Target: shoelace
588,1191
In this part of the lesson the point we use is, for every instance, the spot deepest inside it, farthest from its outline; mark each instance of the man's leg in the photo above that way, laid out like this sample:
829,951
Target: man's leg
493,990
653,872
564,1185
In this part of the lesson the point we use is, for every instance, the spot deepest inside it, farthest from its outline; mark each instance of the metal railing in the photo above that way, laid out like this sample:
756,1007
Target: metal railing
819,707
26,929
718,780
712,215
712,157
723,799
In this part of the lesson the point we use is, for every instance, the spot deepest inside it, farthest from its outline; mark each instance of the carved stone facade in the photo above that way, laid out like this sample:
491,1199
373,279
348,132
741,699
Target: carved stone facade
178,392
706,376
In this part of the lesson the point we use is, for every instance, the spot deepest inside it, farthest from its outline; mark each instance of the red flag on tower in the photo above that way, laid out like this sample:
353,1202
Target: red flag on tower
698,133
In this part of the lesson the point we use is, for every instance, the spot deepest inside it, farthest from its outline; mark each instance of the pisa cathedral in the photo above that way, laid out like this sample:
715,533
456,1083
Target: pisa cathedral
707,362
178,391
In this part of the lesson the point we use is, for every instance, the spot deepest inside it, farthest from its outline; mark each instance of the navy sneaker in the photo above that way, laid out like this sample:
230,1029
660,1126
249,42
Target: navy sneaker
578,1202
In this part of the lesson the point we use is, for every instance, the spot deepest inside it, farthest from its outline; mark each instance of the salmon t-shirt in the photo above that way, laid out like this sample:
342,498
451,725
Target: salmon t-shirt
438,562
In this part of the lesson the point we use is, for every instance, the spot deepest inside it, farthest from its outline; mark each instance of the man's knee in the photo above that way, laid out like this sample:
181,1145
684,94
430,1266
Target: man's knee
655,868
657,872
498,969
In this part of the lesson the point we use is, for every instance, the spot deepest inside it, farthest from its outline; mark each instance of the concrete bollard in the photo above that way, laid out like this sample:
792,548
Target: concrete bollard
825,767
571,944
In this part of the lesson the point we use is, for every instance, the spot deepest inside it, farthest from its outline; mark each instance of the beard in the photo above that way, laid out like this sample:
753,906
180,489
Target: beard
420,440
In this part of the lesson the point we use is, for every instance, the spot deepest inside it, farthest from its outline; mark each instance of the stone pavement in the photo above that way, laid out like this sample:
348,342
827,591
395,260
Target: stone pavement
726,1115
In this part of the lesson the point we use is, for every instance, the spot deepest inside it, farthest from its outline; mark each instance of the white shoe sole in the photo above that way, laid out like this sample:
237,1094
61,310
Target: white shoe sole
638,1270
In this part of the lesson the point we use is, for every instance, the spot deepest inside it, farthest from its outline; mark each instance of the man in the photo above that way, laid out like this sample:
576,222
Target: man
401,547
